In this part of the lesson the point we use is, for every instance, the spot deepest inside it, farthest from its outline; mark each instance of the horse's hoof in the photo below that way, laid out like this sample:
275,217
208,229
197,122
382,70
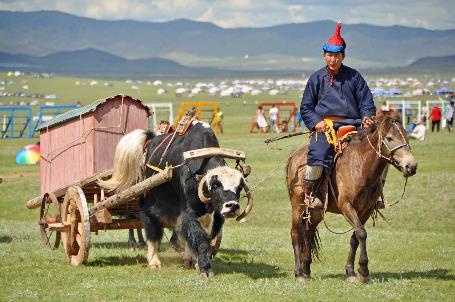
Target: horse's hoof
363,279
352,279
155,265
301,279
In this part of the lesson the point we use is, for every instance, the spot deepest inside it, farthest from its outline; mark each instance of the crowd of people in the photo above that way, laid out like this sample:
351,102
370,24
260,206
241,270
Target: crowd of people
268,122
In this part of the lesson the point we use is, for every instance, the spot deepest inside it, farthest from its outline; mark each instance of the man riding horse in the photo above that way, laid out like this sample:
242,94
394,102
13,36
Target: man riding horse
334,96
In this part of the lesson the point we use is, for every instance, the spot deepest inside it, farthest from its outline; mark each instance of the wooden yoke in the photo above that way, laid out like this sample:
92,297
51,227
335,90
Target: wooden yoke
208,152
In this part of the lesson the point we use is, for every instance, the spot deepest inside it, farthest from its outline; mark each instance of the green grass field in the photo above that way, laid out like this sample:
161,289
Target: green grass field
412,256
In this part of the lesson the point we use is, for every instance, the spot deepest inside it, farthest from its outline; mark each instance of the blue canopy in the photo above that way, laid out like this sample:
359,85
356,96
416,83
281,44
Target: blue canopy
443,90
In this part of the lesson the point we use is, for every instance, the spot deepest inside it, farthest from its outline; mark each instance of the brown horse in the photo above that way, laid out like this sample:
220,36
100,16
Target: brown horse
356,182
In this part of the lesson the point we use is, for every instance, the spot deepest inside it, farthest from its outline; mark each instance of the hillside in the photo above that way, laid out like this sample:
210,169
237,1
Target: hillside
287,46
434,62
92,62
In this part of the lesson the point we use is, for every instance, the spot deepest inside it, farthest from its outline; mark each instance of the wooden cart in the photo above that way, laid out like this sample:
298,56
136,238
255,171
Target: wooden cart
77,148
71,213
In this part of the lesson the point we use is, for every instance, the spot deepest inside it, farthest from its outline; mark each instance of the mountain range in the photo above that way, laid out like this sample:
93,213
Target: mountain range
92,62
49,34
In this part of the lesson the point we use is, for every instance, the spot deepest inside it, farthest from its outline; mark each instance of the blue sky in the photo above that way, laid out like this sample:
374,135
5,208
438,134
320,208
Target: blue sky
431,14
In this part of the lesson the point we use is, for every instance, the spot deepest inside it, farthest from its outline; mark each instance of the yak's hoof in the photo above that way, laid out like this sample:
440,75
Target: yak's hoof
189,263
362,278
132,248
207,275
154,264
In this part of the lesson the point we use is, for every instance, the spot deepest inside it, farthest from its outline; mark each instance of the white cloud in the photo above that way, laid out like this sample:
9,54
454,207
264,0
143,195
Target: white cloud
434,14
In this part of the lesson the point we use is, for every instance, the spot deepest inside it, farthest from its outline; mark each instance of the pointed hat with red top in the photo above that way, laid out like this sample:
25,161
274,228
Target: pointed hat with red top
336,42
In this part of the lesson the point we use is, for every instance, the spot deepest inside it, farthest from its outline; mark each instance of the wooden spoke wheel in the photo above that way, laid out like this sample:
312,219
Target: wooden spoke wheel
49,213
76,241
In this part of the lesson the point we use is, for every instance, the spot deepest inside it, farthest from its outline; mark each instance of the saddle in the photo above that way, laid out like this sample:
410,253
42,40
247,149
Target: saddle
338,139
343,134
186,121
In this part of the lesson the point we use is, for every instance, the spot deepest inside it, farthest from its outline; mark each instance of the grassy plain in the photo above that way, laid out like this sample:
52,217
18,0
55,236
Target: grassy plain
412,256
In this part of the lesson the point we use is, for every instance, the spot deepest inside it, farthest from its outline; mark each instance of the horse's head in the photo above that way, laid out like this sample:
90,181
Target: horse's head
393,144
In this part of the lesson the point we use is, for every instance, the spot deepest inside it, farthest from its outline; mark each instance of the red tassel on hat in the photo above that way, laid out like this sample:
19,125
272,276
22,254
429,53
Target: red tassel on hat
336,38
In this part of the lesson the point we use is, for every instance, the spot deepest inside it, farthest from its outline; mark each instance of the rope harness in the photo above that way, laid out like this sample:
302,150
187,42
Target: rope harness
382,142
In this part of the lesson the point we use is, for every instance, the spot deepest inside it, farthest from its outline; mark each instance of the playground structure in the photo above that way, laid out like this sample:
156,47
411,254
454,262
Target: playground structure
409,110
206,111
286,114
161,111
19,122
16,122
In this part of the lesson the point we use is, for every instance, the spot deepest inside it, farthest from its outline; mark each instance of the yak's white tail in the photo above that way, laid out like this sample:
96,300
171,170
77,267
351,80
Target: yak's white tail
128,162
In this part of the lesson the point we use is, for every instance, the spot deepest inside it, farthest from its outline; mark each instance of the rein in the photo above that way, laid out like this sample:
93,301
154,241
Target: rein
324,211
402,195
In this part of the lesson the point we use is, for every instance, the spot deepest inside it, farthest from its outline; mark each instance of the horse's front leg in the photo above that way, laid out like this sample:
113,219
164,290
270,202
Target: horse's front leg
361,235
350,273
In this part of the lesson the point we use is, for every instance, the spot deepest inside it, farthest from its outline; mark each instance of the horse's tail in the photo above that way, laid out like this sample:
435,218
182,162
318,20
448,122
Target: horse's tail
128,161
315,245
315,242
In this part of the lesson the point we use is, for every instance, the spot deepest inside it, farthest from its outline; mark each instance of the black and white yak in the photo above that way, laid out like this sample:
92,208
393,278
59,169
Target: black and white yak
201,194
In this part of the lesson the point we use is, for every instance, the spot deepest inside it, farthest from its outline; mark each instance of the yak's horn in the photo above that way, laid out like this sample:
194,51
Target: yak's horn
249,204
200,191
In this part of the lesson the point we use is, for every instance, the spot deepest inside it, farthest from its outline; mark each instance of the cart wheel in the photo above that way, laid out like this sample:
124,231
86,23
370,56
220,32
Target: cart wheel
76,241
49,213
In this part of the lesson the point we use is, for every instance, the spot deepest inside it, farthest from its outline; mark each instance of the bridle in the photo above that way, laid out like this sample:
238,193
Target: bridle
382,142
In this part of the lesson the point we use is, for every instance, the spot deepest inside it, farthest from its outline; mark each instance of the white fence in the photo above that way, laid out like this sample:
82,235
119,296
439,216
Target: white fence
409,110
161,111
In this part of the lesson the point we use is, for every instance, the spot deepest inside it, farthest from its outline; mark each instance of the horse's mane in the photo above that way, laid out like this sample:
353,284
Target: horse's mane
380,126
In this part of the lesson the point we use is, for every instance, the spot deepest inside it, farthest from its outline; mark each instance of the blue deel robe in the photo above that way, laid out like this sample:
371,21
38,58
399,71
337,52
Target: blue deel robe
349,97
